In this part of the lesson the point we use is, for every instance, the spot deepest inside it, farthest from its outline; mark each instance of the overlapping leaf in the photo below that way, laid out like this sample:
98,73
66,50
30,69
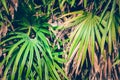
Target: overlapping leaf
30,53
87,31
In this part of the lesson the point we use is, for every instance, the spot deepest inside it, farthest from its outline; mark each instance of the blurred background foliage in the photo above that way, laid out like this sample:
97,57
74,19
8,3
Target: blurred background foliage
59,39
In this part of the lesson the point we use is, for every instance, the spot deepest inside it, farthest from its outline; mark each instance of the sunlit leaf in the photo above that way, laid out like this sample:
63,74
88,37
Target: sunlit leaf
4,2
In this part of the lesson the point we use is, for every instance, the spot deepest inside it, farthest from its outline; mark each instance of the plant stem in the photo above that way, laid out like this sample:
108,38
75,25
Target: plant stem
29,29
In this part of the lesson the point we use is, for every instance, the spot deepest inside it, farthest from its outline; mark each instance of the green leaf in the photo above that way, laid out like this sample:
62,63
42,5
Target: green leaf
85,49
38,61
113,32
97,32
110,41
72,3
36,69
108,28
4,2
1,16
45,31
24,60
46,73
8,67
46,45
85,3
103,13
13,49
59,60
117,62
60,70
92,44
57,53
49,63
103,41
11,38
111,14
15,66
29,64
77,37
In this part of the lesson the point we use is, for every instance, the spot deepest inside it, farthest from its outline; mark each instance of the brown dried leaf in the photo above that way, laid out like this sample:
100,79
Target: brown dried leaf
79,61
4,29
0,34
15,4
80,2
119,68
96,45
109,65
95,65
105,70
1,68
11,9
0,52
115,73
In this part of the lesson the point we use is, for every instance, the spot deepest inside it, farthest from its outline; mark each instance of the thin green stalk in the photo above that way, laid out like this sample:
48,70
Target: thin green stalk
29,29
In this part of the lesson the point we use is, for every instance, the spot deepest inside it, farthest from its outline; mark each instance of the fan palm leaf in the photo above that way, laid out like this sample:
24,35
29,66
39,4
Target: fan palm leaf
88,31
27,54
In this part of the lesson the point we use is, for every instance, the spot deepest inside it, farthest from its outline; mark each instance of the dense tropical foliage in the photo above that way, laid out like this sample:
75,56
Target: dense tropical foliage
60,39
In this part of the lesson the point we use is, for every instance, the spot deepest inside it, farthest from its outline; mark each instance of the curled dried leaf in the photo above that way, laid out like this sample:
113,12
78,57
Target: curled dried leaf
15,4
4,29
11,9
